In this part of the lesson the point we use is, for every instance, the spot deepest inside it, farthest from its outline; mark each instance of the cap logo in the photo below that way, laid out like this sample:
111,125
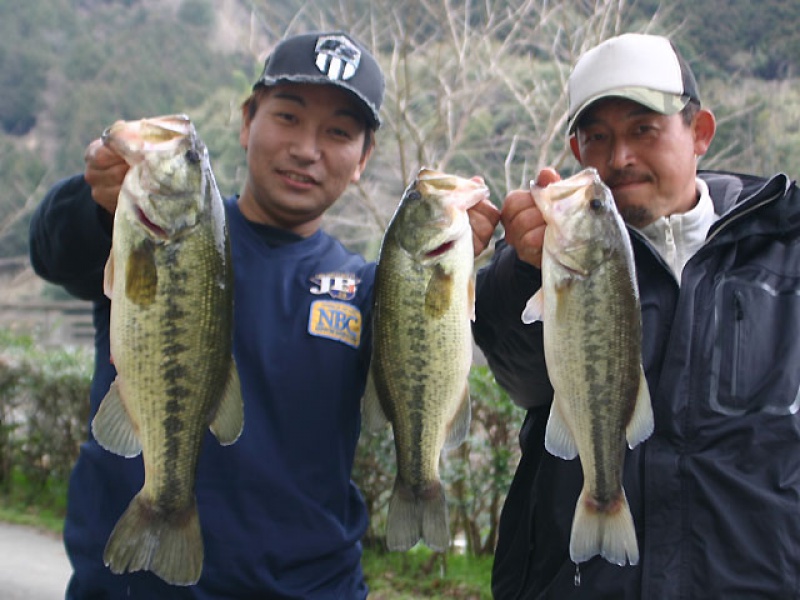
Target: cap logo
337,57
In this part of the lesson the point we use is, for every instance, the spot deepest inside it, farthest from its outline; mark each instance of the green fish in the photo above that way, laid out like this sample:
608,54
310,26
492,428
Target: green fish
422,348
170,280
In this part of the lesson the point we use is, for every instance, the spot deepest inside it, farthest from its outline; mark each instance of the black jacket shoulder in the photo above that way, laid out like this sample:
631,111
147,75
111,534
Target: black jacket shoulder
70,239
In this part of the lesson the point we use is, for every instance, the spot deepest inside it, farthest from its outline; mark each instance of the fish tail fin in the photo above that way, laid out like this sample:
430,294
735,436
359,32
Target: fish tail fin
417,516
143,540
608,532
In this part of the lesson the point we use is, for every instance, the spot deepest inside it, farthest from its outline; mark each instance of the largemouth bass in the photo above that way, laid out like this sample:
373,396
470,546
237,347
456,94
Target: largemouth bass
170,280
422,348
589,307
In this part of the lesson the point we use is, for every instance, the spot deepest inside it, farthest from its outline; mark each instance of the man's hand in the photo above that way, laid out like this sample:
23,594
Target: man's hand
104,172
523,221
483,217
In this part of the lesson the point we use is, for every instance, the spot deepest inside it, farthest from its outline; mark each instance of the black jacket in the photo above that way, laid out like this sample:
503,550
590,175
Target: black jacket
715,491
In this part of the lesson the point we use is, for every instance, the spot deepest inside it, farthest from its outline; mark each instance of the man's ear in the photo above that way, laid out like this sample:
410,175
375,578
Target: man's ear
704,126
362,164
573,144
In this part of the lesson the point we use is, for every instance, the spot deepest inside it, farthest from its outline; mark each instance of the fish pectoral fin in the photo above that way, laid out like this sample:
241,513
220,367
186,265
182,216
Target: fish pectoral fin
642,423
534,308
108,275
439,292
558,438
141,274
229,420
373,419
458,428
112,426
471,298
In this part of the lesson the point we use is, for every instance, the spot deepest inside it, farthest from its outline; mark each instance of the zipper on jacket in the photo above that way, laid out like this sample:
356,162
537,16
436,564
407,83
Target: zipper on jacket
724,222
738,315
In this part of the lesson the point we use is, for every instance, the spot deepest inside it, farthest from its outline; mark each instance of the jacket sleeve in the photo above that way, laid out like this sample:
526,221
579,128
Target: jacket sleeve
514,351
70,239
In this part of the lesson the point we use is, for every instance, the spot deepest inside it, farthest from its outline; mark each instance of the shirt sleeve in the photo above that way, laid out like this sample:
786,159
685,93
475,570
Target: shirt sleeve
513,350
70,239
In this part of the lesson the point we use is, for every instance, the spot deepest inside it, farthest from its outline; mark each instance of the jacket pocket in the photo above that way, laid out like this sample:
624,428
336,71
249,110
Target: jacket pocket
756,354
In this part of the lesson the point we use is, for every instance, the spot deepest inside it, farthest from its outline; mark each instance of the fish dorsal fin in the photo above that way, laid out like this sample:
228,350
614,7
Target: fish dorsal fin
534,308
373,419
641,424
113,428
558,438
458,428
229,420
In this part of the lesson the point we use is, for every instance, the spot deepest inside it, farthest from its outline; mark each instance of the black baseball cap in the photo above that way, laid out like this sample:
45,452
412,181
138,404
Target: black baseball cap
330,58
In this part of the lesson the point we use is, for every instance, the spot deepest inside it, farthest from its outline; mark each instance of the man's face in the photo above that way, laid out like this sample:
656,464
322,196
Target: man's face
646,158
305,145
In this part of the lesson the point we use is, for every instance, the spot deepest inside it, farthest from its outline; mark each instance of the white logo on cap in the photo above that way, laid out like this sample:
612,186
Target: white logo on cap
337,57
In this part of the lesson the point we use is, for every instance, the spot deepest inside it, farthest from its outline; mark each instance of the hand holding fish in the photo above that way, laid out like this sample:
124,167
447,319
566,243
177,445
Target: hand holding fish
483,218
105,170
523,221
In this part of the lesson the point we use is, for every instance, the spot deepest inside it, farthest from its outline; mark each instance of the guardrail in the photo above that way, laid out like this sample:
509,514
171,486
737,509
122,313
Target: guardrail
52,323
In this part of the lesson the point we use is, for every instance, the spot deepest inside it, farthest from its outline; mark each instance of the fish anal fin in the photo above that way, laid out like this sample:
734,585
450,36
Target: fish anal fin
641,424
558,438
113,427
229,419
373,418
458,428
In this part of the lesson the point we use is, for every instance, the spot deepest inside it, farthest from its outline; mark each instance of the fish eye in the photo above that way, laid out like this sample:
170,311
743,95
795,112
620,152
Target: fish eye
595,204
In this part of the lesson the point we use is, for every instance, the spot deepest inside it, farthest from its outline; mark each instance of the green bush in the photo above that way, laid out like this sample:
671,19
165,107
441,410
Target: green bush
44,404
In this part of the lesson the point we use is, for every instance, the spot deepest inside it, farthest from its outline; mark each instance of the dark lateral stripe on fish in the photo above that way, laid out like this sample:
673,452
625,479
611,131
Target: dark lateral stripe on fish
417,420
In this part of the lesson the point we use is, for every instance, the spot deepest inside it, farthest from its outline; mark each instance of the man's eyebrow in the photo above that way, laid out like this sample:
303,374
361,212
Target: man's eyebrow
291,97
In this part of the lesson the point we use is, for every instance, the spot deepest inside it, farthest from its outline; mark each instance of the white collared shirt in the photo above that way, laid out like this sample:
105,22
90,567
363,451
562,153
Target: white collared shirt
677,237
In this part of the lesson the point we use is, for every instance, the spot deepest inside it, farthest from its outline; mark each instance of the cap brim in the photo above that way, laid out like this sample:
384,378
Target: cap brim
661,102
370,113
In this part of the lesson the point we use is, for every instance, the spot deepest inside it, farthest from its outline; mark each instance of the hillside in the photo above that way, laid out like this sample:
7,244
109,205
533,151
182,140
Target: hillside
68,68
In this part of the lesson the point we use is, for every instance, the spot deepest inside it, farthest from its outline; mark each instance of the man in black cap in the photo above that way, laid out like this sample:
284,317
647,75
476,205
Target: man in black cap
715,490
280,516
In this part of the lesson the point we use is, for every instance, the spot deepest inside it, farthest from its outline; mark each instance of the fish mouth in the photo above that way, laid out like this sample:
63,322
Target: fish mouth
441,249
132,139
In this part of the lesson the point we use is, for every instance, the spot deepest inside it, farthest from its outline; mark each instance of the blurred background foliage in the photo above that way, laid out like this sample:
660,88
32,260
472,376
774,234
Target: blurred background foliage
472,87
